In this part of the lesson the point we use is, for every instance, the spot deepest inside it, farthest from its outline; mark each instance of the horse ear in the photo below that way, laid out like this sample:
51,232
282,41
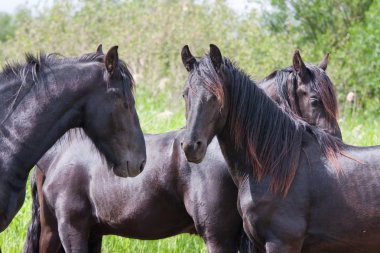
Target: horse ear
112,59
324,62
298,64
99,50
216,56
188,59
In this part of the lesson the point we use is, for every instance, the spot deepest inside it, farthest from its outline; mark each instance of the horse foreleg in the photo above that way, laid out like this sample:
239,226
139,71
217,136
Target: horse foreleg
280,247
221,247
95,246
73,237
73,228
49,241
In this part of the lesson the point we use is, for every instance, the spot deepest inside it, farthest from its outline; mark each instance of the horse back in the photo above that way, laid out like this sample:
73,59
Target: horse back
345,202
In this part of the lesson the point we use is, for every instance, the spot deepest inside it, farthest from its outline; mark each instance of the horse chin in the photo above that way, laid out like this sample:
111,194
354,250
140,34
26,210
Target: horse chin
197,161
125,171
4,222
194,153
195,158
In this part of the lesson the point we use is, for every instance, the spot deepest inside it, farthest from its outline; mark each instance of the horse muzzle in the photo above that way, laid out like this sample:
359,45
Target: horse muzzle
3,223
195,151
129,168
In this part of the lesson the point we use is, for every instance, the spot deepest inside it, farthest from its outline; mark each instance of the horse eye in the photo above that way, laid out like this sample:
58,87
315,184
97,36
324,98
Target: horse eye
314,100
211,98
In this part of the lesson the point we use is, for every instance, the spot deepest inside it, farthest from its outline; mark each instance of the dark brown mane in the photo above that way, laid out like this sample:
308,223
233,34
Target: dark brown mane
324,87
270,138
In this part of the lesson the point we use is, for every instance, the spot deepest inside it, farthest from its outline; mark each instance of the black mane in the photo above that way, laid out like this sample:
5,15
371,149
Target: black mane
17,80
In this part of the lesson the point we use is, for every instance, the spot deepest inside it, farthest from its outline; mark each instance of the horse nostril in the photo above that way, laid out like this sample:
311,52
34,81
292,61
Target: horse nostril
142,166
181,144
199,143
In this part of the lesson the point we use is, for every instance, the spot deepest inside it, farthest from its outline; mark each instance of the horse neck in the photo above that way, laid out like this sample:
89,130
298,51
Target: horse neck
258,136
234,157
270,88
41,118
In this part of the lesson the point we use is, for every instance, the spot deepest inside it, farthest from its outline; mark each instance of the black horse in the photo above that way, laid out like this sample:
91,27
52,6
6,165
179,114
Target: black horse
171,196
299,189
185,197
42,99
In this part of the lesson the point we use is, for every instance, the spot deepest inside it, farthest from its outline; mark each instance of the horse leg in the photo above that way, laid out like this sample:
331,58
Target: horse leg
73,225
49,241
221,237
215,216
221,247
279,247
74,236
95,246
49,238
273,245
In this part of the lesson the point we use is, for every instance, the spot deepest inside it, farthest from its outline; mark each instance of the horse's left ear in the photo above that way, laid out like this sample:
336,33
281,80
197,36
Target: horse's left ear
188,59
99,50
111,60
216,56
298,64
324,62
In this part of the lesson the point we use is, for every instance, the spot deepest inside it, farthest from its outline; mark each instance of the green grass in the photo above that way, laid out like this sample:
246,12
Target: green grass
155,117
360,131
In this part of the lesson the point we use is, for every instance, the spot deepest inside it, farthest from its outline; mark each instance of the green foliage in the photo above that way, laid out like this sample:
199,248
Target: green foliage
348,30
322,22
150,35
360,61
9,23
6,26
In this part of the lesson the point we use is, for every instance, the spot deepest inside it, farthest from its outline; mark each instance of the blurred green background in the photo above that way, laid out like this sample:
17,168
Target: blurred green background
261,37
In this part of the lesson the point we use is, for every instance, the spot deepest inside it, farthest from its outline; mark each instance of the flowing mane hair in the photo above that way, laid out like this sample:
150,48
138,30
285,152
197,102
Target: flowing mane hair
17,80
271,138
320,83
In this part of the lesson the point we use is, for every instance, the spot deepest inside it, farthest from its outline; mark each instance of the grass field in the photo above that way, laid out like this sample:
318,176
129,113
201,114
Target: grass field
155,117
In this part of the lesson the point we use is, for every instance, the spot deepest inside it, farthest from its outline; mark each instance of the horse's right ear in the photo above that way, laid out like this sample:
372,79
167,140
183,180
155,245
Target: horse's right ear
325,61
99,50
298,64
112,60
188,59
